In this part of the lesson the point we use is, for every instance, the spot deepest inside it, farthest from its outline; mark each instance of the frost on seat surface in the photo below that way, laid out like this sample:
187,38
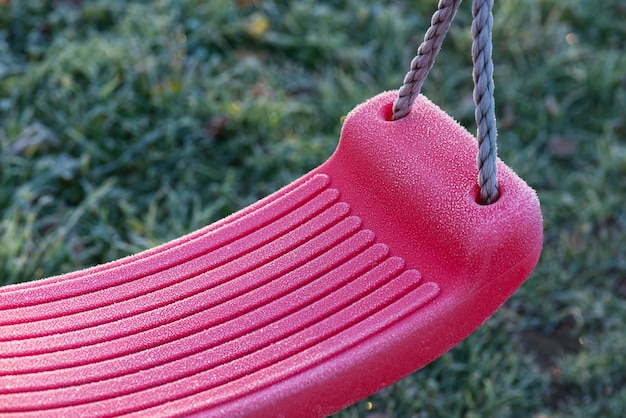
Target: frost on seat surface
334,287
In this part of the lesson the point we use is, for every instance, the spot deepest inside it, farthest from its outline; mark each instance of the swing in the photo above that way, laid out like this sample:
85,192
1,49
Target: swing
343,282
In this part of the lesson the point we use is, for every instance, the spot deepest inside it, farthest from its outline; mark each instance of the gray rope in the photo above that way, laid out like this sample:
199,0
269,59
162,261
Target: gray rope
482,25
425,58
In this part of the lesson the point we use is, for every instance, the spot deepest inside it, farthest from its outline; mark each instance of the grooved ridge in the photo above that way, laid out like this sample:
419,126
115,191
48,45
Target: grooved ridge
282,287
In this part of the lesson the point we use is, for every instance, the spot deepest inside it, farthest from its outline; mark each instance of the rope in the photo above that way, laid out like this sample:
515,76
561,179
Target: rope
483,94
425,58
482,25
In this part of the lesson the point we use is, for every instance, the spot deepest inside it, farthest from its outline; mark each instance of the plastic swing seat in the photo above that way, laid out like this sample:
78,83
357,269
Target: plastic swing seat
343,282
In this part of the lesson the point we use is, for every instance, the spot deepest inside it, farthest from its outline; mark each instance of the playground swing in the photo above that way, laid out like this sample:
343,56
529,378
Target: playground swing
343,282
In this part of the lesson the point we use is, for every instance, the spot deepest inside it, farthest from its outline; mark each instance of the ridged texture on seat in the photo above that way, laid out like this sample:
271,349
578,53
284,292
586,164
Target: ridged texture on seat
239,307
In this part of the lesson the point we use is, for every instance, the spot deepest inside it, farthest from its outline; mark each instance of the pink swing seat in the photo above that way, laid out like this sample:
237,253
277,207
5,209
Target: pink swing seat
343,282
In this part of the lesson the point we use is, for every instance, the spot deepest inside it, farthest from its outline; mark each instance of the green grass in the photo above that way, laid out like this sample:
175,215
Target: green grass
126,124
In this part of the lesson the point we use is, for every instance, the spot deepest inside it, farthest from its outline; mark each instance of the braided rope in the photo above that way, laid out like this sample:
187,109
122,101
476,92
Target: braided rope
482,25
425,58
483,94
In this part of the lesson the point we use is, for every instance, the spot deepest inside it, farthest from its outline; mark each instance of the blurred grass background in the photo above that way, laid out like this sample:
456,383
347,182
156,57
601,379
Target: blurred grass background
126,124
